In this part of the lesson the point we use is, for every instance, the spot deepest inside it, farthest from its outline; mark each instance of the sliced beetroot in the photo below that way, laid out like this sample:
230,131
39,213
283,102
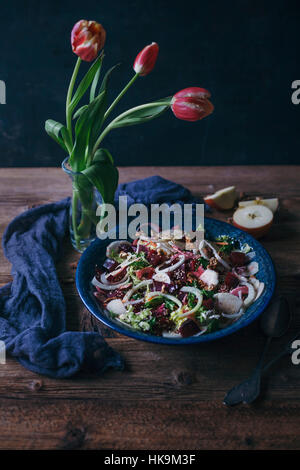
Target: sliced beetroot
138,306
199,271
143,248
145,273
98,272
115,294
118,276
188,328
191,265
241,270
155,258
158,286
208,304
162,323
238,259
100,296
238,291
160,311
231,280
110,265
125,247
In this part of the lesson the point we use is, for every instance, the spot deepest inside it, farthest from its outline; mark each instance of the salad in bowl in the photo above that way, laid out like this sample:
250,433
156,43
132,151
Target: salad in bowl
163,285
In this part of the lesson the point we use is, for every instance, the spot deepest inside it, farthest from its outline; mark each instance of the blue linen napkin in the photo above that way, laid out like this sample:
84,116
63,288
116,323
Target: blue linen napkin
153,190
32,306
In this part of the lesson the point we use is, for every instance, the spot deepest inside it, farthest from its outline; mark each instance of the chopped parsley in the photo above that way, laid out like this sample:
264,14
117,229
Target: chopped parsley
203,262
157,300
137,295
191,300
208,294
229,244
170,305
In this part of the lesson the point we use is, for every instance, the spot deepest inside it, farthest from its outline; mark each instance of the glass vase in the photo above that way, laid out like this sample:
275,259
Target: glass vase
82,216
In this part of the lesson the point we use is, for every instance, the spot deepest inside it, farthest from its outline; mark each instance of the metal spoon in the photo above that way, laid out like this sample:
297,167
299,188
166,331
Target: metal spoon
274,323
287,350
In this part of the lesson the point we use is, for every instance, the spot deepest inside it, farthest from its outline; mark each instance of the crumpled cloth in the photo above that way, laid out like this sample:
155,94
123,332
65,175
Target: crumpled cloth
32,306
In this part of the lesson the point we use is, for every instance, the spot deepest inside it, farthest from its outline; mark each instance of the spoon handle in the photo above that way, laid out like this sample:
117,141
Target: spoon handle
248,390
263,354
287,350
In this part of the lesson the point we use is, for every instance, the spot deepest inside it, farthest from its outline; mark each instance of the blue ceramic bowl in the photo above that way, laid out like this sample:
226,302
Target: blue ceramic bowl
95,254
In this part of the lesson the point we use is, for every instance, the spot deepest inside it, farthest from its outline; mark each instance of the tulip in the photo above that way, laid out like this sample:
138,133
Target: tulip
87,38
145,60
192,104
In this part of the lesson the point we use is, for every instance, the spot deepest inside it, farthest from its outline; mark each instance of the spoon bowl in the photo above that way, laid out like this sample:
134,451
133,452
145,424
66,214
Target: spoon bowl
274,323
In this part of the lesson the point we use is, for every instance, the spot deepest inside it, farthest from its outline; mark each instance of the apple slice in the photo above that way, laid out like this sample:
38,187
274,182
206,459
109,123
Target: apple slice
223,199
270,203
256,219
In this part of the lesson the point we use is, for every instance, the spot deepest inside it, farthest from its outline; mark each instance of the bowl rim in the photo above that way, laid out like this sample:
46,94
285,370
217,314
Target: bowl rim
91,303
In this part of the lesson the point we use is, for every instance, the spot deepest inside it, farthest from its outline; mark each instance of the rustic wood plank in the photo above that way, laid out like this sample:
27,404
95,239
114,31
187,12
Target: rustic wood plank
97,424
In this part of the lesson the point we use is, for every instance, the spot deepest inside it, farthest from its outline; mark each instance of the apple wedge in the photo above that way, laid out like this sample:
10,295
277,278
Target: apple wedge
270,203
223,199
255,219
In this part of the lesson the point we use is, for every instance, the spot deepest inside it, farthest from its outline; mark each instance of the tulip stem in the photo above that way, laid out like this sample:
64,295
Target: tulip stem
111,125
118,98
69,97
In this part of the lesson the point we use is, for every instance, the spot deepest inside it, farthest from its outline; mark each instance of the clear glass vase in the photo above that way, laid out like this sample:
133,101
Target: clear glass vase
82,217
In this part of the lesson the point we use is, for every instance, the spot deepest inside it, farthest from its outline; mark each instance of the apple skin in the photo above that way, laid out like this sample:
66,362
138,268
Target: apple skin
223,199
271,203
255,232
212,204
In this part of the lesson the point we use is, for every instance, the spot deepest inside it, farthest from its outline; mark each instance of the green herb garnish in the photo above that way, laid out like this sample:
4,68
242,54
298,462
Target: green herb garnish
229,244
191,300
203,262
157,300
208,294
170,305
213,325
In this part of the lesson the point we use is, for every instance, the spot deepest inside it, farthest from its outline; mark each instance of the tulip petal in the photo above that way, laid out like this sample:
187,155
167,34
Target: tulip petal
87,39
146,59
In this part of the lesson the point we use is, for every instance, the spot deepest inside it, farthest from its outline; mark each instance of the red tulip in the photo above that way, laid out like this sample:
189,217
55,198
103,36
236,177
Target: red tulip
192,104
87,38
145,60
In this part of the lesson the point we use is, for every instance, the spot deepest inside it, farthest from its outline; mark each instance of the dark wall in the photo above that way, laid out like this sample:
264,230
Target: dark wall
245,52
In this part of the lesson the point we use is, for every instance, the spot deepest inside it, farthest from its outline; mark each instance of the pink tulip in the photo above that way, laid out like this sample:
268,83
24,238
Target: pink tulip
192,104
87,38
145,60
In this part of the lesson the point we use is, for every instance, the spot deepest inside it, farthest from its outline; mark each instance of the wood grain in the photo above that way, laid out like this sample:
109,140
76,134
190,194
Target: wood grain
165,392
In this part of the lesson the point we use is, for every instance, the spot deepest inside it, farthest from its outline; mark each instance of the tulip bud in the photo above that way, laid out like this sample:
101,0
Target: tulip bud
87,38
192,104
145,60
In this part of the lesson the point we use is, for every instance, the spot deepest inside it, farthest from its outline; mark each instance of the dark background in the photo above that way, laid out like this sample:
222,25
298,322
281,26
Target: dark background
245,52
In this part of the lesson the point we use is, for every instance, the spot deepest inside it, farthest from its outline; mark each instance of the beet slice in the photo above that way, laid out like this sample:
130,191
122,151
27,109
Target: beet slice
188,328
231,280
237,258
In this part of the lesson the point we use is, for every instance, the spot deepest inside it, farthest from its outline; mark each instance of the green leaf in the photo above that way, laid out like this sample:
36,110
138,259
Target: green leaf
140,115
94,84
106,78
79,111
59,133
103,175
86,131
103,155
85,83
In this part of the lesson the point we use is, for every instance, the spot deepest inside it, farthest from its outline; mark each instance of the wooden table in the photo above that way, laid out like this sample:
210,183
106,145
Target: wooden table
168,397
